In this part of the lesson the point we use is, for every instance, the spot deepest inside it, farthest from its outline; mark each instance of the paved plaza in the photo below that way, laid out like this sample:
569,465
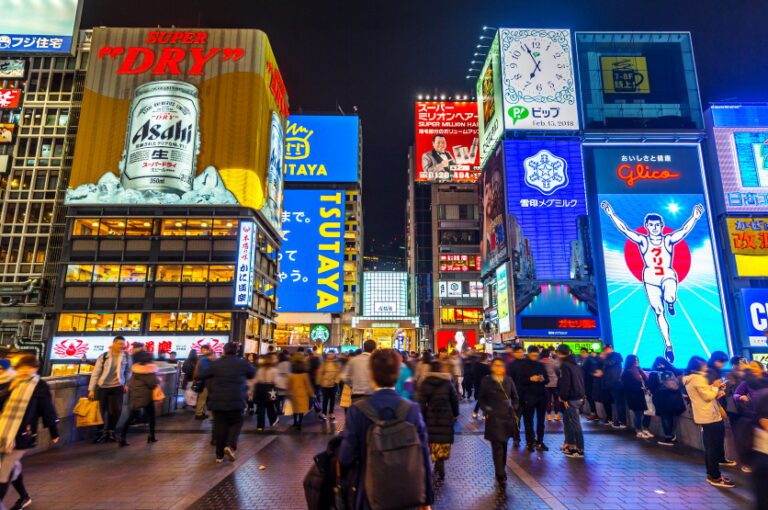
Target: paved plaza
178,472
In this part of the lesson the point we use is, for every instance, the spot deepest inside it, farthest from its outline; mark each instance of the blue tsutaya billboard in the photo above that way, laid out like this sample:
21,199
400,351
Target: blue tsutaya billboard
322,148
312,256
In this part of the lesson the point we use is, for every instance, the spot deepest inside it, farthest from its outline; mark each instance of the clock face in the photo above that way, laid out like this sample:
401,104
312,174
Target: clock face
537,66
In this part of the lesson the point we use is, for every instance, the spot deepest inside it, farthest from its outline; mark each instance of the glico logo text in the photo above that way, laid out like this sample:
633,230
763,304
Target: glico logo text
642,172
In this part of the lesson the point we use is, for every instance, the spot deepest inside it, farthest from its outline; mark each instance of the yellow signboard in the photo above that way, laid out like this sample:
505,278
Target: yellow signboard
625,75
748,240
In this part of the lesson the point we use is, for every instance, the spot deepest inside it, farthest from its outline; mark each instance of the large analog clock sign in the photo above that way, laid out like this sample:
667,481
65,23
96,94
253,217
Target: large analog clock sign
538,87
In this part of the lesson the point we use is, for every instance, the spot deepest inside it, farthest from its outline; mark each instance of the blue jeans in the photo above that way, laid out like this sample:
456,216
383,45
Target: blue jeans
572,424
620,418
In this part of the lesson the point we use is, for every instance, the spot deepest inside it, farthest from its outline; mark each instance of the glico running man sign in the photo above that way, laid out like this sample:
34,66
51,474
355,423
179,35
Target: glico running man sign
656,243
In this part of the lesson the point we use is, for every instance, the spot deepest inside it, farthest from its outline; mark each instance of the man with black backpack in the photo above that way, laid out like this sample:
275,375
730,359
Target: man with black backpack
108,385
387,436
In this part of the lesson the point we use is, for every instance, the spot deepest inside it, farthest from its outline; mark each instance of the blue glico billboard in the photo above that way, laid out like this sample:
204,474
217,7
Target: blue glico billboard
311,271
549,242
322,148
655,240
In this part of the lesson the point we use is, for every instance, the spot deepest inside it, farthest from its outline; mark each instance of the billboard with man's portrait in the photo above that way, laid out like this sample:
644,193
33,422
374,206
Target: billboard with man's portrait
447,143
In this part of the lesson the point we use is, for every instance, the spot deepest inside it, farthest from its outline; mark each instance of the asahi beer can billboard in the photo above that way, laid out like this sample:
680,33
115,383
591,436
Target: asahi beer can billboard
178,117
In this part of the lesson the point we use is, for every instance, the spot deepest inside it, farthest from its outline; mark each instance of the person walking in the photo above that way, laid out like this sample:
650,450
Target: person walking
440,408
281,378
226,381
300,391
531,380
423,367
481,370
664,383
204,362
328,377
706,413
144,380
513,371
108,384
405,385
550,396
633,380
385,405
265,392
498,398
357,375
25,401
571,392
457,371
468,384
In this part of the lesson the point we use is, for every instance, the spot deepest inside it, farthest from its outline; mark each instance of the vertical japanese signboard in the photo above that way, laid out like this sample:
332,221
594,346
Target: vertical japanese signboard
494,246
489,103
503,297
447,142
312,256
549,239
244,274
661,274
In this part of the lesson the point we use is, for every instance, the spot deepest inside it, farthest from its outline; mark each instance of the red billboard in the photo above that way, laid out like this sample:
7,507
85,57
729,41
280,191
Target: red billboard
456,339
459,263
10,99
447,141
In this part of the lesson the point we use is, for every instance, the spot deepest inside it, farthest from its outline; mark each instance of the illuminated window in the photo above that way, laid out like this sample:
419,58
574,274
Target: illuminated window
79,273
221,274
72,322
189,321
133,274
218,321
225,227
163,321
200,227
173,227
139,228
87,227
168,274
99,322
127,321
112,227
195,274
103,273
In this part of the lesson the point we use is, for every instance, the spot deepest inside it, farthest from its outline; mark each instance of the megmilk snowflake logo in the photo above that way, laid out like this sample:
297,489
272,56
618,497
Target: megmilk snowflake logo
546,172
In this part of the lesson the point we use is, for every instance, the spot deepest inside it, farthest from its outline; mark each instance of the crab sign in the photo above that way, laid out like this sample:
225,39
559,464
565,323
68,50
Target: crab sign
71,348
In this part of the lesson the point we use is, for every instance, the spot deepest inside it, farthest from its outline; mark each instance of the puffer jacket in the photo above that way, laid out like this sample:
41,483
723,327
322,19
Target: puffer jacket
143,380
439,405
329,373
703,398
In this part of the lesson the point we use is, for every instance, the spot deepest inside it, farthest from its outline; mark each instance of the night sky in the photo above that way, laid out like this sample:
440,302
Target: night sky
379,55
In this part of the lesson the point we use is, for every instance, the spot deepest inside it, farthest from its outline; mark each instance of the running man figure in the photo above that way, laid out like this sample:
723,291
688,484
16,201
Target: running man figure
659,278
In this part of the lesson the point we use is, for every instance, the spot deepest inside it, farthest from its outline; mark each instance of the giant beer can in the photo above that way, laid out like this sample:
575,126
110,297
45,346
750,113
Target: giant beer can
162,138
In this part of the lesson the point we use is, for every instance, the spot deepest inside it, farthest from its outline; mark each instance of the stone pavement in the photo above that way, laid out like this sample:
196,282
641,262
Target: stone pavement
620,472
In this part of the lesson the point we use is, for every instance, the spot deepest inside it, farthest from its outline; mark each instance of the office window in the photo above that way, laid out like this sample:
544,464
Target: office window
79,273
163,321
133,274
168,274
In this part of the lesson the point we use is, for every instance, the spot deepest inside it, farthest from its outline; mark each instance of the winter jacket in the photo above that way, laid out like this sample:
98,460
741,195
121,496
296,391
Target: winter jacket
439,406
143,381
588,367
188,369
357,374
329,374
530,392
633,382
498,400
226,382
405,384
570,385
611,367
513,371
480,371
99,375
300,389
551,368
203,362
40,406
750,388
667,393
703,398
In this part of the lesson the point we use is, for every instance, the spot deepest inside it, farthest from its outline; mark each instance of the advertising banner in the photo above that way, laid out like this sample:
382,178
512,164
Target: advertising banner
10,99
748,240
489,102
503,307
576,347
322,148
740,132
312,255
447,142
244,274
452,339
661,274
40,26
12,68
756,312
73,348
179,117
638,80
549,239
538,86
493,249
7,133
459,263
453,289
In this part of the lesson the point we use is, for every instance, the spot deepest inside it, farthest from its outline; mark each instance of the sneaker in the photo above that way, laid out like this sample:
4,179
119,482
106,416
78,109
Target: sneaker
322,416
219,460
574,454
474,415
618,425
665,442
648,434
721,482
260,429
564,448
332,418
557,417
640,435
727,462
229,453
542,447
746,469
22,503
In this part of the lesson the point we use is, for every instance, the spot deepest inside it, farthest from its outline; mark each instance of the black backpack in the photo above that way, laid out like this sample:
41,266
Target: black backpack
395,476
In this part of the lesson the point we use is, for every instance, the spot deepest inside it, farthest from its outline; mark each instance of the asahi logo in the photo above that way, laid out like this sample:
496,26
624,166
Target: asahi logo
174,132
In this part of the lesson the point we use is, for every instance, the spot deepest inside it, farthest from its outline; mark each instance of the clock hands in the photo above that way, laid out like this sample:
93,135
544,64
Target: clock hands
535,62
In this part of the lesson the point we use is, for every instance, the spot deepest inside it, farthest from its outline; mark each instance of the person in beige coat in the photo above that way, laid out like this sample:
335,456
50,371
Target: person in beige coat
300,390
328,377
706,413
